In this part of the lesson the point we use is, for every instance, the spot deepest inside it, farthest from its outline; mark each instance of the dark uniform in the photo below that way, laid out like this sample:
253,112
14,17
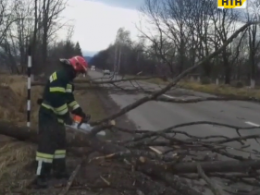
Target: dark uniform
57,100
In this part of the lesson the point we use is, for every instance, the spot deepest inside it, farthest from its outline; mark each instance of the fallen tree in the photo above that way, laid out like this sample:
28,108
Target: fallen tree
120,150
90,81
150,160
179,158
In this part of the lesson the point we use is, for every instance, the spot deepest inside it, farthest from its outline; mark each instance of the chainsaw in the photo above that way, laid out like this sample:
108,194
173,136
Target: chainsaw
82,125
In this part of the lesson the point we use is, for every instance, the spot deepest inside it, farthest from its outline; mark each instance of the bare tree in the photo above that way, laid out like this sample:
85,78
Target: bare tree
171,169
47,22
122,42
6,21
34,24
182,37
253,39
17,37
184,32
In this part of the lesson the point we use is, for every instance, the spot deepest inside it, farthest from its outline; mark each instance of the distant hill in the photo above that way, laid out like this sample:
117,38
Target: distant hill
88,58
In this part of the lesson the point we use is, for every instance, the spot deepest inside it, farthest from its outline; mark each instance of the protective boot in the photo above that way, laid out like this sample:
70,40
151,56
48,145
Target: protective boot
40,182
59,169
43,175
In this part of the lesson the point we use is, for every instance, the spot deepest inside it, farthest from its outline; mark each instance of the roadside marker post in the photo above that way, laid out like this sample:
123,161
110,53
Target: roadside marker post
29,84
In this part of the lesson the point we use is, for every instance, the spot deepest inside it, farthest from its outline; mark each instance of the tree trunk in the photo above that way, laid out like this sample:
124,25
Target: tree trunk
78,139
227,68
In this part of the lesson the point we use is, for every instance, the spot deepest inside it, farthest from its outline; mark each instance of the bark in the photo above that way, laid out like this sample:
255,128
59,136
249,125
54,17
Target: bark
30,135
219,166
43,83
78,139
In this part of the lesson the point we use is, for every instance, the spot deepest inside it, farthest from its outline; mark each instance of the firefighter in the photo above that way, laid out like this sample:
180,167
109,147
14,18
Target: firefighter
57,101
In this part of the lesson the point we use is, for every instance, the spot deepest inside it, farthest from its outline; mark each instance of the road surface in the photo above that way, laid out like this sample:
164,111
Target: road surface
159,115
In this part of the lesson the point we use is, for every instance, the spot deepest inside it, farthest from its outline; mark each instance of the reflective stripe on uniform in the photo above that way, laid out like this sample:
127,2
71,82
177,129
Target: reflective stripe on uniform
73,105
69,88
60,110
53,77
44,159
60,120
39,167
57,89
48,158
59,154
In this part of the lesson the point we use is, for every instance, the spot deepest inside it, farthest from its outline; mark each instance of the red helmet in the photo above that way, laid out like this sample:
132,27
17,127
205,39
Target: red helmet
79,64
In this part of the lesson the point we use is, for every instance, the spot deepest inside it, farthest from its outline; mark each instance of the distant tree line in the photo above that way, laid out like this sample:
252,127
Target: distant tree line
125,56
35,23
184,32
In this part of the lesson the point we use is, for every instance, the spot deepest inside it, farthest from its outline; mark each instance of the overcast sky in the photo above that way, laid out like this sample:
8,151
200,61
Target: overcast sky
129,4
97,21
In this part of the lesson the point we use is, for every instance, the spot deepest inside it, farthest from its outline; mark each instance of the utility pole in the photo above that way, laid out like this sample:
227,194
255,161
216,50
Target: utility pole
119,59
115,57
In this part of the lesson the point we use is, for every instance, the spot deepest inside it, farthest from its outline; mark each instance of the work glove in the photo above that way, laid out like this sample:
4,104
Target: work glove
87,118
79,112
67,119
39,101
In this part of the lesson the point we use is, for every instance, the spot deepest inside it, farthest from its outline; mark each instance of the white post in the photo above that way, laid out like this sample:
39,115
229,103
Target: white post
217,81
29,65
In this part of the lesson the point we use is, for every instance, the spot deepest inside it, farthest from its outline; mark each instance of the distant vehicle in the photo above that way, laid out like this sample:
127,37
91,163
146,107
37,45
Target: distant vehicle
114,73
106,72
93,68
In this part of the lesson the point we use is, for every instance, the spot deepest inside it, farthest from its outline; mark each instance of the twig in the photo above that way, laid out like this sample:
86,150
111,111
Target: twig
71,179
207,180
103,157
155,150
39,83
105,180
196,100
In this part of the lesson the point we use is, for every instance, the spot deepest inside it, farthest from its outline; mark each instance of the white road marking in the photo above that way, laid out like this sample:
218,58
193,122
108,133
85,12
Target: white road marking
252,124
168,96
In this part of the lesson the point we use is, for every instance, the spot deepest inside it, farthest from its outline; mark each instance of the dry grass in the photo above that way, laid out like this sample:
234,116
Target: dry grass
91,104
16,157
224,90
13,99
157,81
89,101
16,164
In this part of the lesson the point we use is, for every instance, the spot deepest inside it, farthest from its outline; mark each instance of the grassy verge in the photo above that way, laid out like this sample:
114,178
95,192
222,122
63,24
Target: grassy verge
90,103
224,90
16,157
158,81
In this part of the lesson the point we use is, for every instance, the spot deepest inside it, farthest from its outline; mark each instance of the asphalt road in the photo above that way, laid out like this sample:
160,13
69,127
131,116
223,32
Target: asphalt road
159,115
